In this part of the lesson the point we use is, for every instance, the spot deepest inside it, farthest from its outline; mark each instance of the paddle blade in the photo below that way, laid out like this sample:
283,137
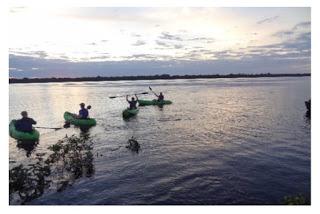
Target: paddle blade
89,107
112,97
150,88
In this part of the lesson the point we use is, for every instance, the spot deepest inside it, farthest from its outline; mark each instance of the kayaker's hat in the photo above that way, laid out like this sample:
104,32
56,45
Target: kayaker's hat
24,114
82,104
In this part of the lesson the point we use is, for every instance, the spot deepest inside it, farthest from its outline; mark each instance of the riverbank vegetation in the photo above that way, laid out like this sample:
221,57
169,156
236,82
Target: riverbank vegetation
153,77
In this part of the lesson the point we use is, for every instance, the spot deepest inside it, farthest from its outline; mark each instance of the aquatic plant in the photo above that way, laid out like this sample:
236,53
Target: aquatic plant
71,159
296,200
29,182
133,145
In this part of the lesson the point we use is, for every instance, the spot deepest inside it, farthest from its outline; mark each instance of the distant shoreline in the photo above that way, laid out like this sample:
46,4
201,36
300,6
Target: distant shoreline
153,77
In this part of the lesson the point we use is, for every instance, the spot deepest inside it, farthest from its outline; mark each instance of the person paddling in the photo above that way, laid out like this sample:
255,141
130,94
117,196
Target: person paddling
133,102
25,123
160,96
83,112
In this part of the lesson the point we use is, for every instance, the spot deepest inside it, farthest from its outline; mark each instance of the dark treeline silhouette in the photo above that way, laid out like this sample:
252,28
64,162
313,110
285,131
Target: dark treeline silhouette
153,77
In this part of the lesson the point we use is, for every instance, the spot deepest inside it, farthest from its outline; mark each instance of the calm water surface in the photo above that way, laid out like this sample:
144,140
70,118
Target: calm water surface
222,141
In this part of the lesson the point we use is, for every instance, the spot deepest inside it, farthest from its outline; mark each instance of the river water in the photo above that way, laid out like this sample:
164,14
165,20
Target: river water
222,141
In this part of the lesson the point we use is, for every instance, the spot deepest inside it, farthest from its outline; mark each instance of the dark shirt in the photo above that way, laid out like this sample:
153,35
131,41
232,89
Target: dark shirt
160,97
133,104
83,113
25,124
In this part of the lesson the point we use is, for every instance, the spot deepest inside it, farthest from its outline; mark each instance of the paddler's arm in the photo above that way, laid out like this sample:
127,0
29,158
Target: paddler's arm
127,98
136,97
33,122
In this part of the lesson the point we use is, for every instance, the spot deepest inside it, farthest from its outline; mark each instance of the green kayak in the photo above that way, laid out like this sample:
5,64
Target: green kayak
153,102
127,113
69,117
18,135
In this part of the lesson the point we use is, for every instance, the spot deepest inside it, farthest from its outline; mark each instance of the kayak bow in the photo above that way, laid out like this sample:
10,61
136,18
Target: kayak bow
127,113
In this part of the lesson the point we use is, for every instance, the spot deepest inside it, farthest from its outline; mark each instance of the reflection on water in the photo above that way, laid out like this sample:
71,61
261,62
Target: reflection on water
226,141
27,145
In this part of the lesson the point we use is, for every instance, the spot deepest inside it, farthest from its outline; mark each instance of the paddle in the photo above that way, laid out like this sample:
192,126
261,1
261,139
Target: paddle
66,125
41,127
152,91
127,95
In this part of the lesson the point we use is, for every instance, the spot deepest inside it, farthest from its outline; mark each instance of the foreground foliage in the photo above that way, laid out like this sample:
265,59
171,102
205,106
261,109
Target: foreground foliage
296,200
71,159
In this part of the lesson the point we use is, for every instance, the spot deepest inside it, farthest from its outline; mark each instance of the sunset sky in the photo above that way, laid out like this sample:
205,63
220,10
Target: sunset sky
69,42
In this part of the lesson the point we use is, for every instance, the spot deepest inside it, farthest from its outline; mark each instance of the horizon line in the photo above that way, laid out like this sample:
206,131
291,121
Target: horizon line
13,80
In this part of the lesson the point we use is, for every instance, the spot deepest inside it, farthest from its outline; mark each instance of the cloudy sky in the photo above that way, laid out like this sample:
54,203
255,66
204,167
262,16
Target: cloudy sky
69,42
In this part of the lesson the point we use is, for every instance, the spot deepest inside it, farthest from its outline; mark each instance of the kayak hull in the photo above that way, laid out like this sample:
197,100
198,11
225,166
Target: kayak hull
127,113
18,135
69,117
153,102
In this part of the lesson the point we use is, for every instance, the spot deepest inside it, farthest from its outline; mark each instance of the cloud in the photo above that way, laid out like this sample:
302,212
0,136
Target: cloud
136,35
301,43
294,43
168,36
267,20
184,37
17,9
139,43
298,47
178,46
62,68
100,58
142,57
64,57
109,14
284,33
38,54
295,30
164,44
167,45
202,39
302,25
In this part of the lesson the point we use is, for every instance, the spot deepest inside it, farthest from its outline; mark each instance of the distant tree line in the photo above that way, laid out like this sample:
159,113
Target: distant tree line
151,77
